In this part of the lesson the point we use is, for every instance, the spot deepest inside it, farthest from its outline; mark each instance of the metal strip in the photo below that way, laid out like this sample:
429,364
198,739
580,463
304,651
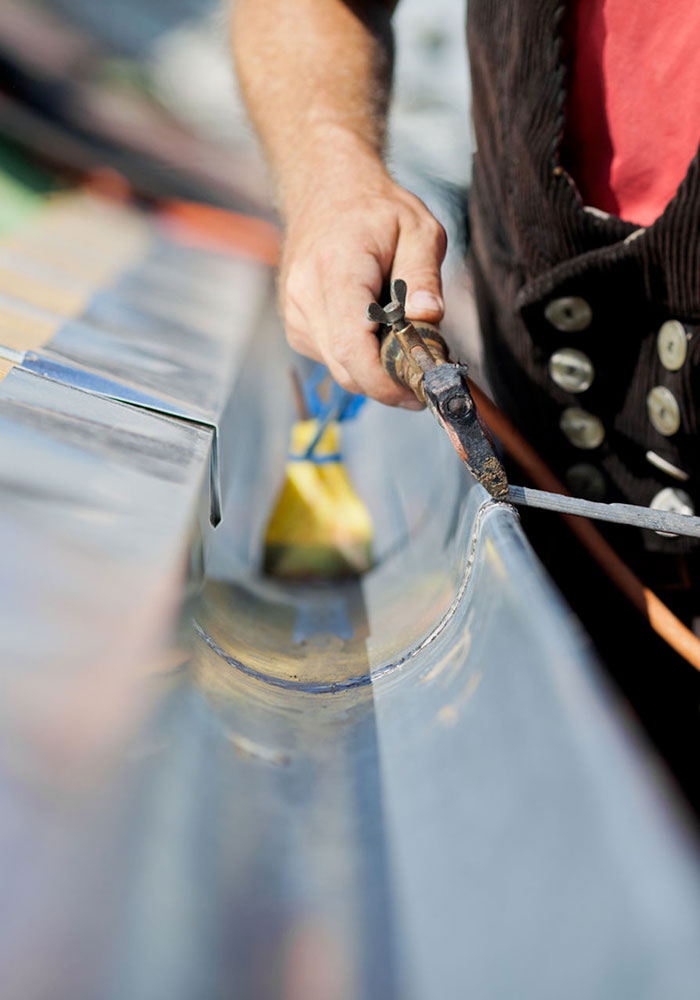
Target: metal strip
98,385
616,513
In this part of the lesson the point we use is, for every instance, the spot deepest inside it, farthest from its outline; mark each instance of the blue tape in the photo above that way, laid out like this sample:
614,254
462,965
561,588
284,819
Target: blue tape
346,404
316,459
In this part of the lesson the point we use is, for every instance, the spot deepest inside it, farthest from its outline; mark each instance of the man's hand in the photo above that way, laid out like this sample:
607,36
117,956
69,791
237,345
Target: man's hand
343,243
316,77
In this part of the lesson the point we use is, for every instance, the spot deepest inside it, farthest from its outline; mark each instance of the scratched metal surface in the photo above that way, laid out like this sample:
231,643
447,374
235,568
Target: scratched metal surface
410,786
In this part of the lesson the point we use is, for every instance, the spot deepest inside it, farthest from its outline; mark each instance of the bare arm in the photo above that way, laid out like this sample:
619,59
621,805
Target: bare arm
316,77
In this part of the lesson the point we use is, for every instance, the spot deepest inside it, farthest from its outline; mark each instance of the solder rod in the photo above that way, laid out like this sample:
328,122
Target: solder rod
617,513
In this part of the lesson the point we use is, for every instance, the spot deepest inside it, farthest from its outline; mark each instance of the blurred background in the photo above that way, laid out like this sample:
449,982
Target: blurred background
146,88
120,82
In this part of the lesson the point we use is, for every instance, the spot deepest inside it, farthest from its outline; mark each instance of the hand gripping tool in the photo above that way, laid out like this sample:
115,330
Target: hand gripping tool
417,357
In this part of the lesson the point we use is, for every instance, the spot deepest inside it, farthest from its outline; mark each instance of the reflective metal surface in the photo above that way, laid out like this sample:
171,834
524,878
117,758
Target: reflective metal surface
414,785
677,518
440,789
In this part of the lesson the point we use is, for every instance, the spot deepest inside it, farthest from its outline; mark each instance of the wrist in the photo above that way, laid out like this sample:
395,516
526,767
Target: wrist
334,162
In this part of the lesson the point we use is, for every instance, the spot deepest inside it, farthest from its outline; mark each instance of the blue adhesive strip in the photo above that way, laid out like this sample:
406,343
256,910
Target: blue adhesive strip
345,403
340,405
316,459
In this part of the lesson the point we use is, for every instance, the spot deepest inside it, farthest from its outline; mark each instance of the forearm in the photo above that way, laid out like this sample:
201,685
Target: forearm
316,77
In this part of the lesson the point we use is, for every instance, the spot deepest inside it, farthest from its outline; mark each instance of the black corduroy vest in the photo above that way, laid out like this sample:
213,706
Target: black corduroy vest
536,247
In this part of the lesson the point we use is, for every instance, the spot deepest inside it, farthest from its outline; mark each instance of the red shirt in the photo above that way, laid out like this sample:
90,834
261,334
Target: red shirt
633,107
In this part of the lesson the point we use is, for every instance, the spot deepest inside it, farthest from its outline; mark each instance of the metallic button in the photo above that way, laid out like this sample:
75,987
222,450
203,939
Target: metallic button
583,429
571,370
585,480
666,466
672,345
569,314
597,213
676,501
663,410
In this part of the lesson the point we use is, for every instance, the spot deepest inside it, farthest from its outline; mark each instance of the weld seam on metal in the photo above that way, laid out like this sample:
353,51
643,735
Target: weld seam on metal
309,687
332,687
457,600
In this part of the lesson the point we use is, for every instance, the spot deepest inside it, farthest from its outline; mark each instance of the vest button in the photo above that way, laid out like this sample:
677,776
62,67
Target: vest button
676,501
571,370
668,467
663,410
672,345
586,481
569,314
583,429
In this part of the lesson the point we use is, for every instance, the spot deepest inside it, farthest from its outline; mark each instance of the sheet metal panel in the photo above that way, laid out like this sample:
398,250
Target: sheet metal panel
100,505
441,797
411,786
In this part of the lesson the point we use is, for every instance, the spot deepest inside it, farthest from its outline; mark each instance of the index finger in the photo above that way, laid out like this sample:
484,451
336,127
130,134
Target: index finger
350,339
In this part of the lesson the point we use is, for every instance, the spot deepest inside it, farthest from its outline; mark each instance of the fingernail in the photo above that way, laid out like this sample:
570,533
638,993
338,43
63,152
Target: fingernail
411,404
424,302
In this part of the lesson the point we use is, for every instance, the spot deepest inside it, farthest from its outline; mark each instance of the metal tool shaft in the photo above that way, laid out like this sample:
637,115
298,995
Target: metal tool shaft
617,513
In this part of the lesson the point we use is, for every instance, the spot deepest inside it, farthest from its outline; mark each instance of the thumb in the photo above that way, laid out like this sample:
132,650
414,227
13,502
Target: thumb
419,255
